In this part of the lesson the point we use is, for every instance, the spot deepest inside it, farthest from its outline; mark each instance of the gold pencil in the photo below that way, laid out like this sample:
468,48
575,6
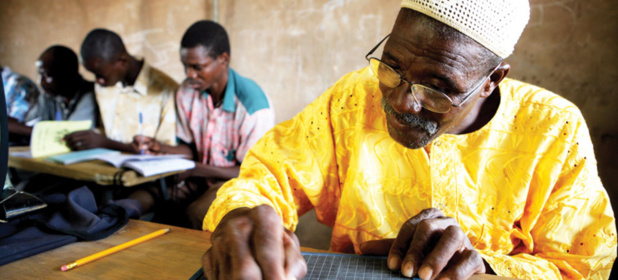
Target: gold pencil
114,249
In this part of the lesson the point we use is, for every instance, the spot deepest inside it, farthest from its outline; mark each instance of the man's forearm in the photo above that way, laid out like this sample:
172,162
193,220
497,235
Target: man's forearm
209,171
17,128
181,149
118,146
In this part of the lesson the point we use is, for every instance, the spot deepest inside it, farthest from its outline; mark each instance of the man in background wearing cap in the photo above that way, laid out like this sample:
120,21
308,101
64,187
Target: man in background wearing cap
430,155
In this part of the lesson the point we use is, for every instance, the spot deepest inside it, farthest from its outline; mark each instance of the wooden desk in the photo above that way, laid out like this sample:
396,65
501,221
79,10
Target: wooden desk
95,171
175,255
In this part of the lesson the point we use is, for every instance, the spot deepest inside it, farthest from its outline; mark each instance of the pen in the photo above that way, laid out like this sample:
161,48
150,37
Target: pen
141,132
114,249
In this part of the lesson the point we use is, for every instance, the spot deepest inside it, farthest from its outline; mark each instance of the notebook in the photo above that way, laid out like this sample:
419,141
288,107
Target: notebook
149,165
46,139
79,156
159,166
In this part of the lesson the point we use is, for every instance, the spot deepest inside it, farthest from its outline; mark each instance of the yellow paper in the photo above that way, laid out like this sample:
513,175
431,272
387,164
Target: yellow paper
47,136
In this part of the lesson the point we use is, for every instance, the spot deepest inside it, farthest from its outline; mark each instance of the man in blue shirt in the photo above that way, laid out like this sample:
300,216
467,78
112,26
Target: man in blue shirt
21,94
67,96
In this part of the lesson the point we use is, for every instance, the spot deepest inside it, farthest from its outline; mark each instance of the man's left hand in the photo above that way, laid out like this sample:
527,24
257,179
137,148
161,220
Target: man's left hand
85,139
431,246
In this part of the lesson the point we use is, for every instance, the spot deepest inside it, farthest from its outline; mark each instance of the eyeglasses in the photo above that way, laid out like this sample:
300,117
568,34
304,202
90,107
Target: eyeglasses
431,99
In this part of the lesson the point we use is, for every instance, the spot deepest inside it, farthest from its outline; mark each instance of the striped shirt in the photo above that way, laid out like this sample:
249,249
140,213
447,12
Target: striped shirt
224,134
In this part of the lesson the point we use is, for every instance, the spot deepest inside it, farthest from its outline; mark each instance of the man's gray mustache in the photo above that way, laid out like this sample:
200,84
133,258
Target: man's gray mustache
410,119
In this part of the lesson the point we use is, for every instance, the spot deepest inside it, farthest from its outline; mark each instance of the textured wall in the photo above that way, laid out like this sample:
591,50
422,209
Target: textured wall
296,49
150,28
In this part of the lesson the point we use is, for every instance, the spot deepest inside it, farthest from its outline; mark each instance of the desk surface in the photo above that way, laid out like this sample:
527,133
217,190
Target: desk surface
96,171
175,255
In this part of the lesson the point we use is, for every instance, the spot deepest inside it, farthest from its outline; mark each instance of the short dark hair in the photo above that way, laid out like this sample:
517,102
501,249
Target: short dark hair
102,43
208,34
64,62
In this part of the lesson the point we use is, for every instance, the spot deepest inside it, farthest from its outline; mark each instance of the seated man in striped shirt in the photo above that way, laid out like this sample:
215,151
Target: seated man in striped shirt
220,113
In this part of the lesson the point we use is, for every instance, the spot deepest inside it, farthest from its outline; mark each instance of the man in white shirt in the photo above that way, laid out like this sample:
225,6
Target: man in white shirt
126,87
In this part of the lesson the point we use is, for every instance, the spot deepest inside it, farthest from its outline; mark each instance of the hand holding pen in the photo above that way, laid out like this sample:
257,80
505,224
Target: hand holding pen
148,145
143,144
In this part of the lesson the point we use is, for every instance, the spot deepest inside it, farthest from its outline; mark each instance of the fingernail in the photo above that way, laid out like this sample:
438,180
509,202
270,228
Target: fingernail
362,246
393,263
407,269
425,272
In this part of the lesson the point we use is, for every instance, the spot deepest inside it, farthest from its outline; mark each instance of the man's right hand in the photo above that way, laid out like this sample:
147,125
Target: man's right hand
253,244
147,144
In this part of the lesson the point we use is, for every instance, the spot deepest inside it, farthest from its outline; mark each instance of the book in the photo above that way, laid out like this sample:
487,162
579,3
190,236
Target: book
117,160
79,156
148,165
46,139
21,154
159,166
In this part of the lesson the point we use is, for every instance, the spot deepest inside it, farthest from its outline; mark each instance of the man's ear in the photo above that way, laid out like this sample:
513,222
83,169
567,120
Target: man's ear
122,60
225,58
494,80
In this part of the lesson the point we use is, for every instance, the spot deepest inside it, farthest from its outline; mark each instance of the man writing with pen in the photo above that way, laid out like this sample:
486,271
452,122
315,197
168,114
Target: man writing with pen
431,156
221,114
125,87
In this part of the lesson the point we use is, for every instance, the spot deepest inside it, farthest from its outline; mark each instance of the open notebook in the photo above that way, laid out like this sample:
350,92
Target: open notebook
79,156
149,165
46,139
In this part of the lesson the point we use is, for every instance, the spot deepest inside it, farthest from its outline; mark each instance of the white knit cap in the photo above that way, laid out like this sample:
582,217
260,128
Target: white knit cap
495,24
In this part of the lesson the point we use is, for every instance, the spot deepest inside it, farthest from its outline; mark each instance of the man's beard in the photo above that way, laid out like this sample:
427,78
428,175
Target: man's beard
412,120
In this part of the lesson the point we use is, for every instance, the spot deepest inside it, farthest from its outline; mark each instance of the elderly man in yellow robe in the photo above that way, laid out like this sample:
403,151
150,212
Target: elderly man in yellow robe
429,155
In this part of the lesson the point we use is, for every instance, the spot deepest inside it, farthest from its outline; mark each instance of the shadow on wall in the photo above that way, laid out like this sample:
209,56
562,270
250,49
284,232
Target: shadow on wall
607,155
606,151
